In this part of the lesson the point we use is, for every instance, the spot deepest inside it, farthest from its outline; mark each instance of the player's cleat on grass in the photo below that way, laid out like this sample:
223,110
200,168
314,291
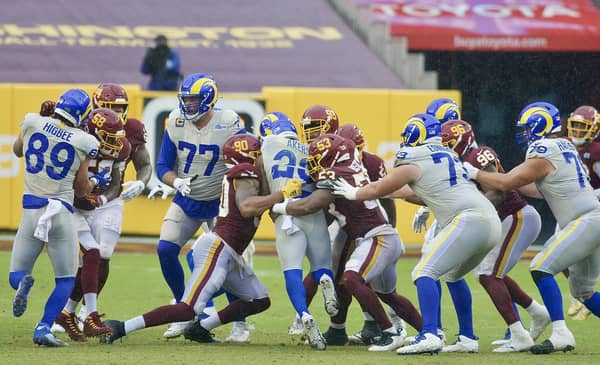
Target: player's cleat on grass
517,343
336,337
312,332
427,343
574,307
463,344
503,341
332,306
176,329
240,332
117,329
195,332
43,337
20,300
388,341
57,328
440,333
297,327
369,334
539,321
69,323
93,326
560,340
583,314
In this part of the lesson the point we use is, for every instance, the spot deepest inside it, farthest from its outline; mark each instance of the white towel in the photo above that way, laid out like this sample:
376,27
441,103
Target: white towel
45,221
288,225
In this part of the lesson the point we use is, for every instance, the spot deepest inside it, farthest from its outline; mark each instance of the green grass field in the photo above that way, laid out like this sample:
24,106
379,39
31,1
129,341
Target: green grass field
136,286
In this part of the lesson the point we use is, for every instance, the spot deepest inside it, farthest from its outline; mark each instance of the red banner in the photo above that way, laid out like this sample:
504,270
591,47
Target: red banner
492,25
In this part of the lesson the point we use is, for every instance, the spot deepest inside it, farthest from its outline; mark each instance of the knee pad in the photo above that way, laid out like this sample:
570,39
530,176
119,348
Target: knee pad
539,275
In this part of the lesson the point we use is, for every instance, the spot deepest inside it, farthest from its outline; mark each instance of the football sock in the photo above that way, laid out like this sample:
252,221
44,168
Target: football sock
168,255
518,295
500,296
403,308
15,277
551,295
438,283
593,304
429,301
103,271
295,290
310,286
318,273
231,298
461,297
369,302
57,299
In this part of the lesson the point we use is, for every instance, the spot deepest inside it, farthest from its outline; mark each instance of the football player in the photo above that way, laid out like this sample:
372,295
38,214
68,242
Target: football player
284,157
91,214
218,258
57,155
521,225
583,129
468,226
370,272
191,161
559,174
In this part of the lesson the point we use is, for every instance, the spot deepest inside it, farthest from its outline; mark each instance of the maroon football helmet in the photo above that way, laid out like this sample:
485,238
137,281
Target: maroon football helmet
107,127
241,148
111,96
328,150
458,135
353,133
583,125
318,120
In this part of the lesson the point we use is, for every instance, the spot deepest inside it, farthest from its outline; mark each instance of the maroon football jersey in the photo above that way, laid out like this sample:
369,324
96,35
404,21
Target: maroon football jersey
355,217
590,155
135,134
234,229
482,157
374,165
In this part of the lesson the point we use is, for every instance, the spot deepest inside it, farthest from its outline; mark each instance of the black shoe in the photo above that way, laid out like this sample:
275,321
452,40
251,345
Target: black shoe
118,331
369,334
547,347
195,332
336,337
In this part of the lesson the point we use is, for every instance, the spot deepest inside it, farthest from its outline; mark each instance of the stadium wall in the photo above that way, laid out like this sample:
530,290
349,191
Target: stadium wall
380,113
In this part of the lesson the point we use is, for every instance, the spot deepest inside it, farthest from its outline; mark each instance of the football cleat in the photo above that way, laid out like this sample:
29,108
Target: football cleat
336,337
57,328
560,340
93,326
44,337
424,344
463,344
398,322
582,315
117,331
329,297
518,342
297,327
176,329
69,323
440,333
574,307
20,300
503,341
369,334
195,332
240,332
388,341
312,332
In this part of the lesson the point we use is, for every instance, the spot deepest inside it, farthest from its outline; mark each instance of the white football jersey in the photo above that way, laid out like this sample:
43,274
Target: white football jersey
200,151
443,184
567,191
53,152
285,159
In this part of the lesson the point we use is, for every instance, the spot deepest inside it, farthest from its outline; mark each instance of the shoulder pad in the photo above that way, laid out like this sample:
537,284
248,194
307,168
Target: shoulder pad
243,170
540,149
125,151
135,131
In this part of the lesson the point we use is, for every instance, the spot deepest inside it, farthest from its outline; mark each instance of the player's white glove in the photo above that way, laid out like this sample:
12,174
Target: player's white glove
420,219
471,170
132,189
164,190
342,188
183,185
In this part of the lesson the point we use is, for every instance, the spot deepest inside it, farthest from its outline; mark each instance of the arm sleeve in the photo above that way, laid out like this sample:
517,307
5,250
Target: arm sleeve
166,157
